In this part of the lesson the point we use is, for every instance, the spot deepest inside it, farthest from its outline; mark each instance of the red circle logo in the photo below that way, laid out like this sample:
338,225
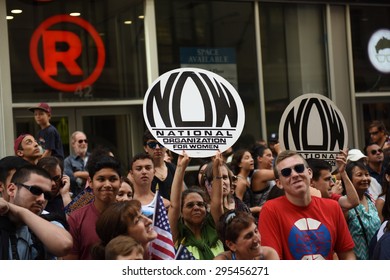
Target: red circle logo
52,57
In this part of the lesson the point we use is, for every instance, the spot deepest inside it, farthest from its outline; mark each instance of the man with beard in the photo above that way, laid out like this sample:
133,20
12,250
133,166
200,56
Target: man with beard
74,165
20,222
105,173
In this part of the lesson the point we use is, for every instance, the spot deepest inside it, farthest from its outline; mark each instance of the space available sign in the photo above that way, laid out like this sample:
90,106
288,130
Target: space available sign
379,50
194,110
313,126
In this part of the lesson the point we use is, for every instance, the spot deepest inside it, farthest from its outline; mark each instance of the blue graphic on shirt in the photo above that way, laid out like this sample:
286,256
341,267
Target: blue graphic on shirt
309,239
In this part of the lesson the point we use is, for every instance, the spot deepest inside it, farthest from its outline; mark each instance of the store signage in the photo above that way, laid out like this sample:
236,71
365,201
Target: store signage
46,58
379,50
313,126
194,110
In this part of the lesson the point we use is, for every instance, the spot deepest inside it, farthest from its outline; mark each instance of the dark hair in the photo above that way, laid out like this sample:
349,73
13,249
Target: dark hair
317,165
147,136
140,156
368,145
50,163
258,151
236,160
126,180
23,174
231,223
114,221
378,124
95,164
193,189
351,165
9,163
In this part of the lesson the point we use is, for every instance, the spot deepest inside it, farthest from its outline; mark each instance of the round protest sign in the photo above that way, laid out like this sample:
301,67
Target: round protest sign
313,126
194,110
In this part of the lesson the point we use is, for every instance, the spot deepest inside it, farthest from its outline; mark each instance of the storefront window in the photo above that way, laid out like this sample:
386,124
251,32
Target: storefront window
294,55
97,54
371,48
196,33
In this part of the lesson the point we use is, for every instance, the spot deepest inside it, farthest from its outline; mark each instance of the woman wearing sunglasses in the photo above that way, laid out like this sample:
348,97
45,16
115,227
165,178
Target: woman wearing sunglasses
240,235
191,224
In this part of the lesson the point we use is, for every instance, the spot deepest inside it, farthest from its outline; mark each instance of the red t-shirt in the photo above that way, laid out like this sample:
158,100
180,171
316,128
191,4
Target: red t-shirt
82,224
312,232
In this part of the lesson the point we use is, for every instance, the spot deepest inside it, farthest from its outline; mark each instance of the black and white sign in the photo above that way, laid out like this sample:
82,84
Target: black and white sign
313,126
379,50
194,110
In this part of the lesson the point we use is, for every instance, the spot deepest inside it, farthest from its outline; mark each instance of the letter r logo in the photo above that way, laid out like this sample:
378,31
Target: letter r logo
62,48
67,58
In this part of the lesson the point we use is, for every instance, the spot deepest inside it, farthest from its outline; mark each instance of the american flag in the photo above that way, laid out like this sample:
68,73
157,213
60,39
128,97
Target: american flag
183,253
162,247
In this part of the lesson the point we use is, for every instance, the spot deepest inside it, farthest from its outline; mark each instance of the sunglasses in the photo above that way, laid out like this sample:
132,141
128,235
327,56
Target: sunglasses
286,172
82,140
35,190
56,178
373,152
191,204
153,145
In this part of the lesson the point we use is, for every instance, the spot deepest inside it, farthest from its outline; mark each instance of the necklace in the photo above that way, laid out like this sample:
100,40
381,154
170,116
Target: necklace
161,174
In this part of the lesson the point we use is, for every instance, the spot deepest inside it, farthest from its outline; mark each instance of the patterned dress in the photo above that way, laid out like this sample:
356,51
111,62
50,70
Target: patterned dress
371,224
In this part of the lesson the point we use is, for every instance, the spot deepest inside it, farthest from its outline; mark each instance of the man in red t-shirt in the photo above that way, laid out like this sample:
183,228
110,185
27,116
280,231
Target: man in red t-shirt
298,225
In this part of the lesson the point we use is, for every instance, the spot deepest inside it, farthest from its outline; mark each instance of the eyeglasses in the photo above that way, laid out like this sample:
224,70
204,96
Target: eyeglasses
35,190
82,140
153,145
374,132
373,152
191,204
286,172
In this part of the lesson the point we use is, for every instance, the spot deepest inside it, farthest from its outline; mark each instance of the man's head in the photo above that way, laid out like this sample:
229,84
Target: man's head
79,143
322,176
153,147
56,169
374,153
377,132
8,166
293,174
30,188
26,147
142,169
104,177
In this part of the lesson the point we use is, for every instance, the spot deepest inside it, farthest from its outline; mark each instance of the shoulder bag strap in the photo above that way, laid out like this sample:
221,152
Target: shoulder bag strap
361,224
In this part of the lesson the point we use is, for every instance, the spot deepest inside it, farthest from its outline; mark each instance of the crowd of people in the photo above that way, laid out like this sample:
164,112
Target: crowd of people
257,202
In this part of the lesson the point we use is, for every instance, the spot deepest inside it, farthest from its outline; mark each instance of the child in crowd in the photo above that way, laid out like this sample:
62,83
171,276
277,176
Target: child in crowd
48,136
124,247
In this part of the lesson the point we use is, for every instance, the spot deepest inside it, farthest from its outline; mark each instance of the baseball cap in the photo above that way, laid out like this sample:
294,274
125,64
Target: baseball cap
355,155
41,106
18,141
